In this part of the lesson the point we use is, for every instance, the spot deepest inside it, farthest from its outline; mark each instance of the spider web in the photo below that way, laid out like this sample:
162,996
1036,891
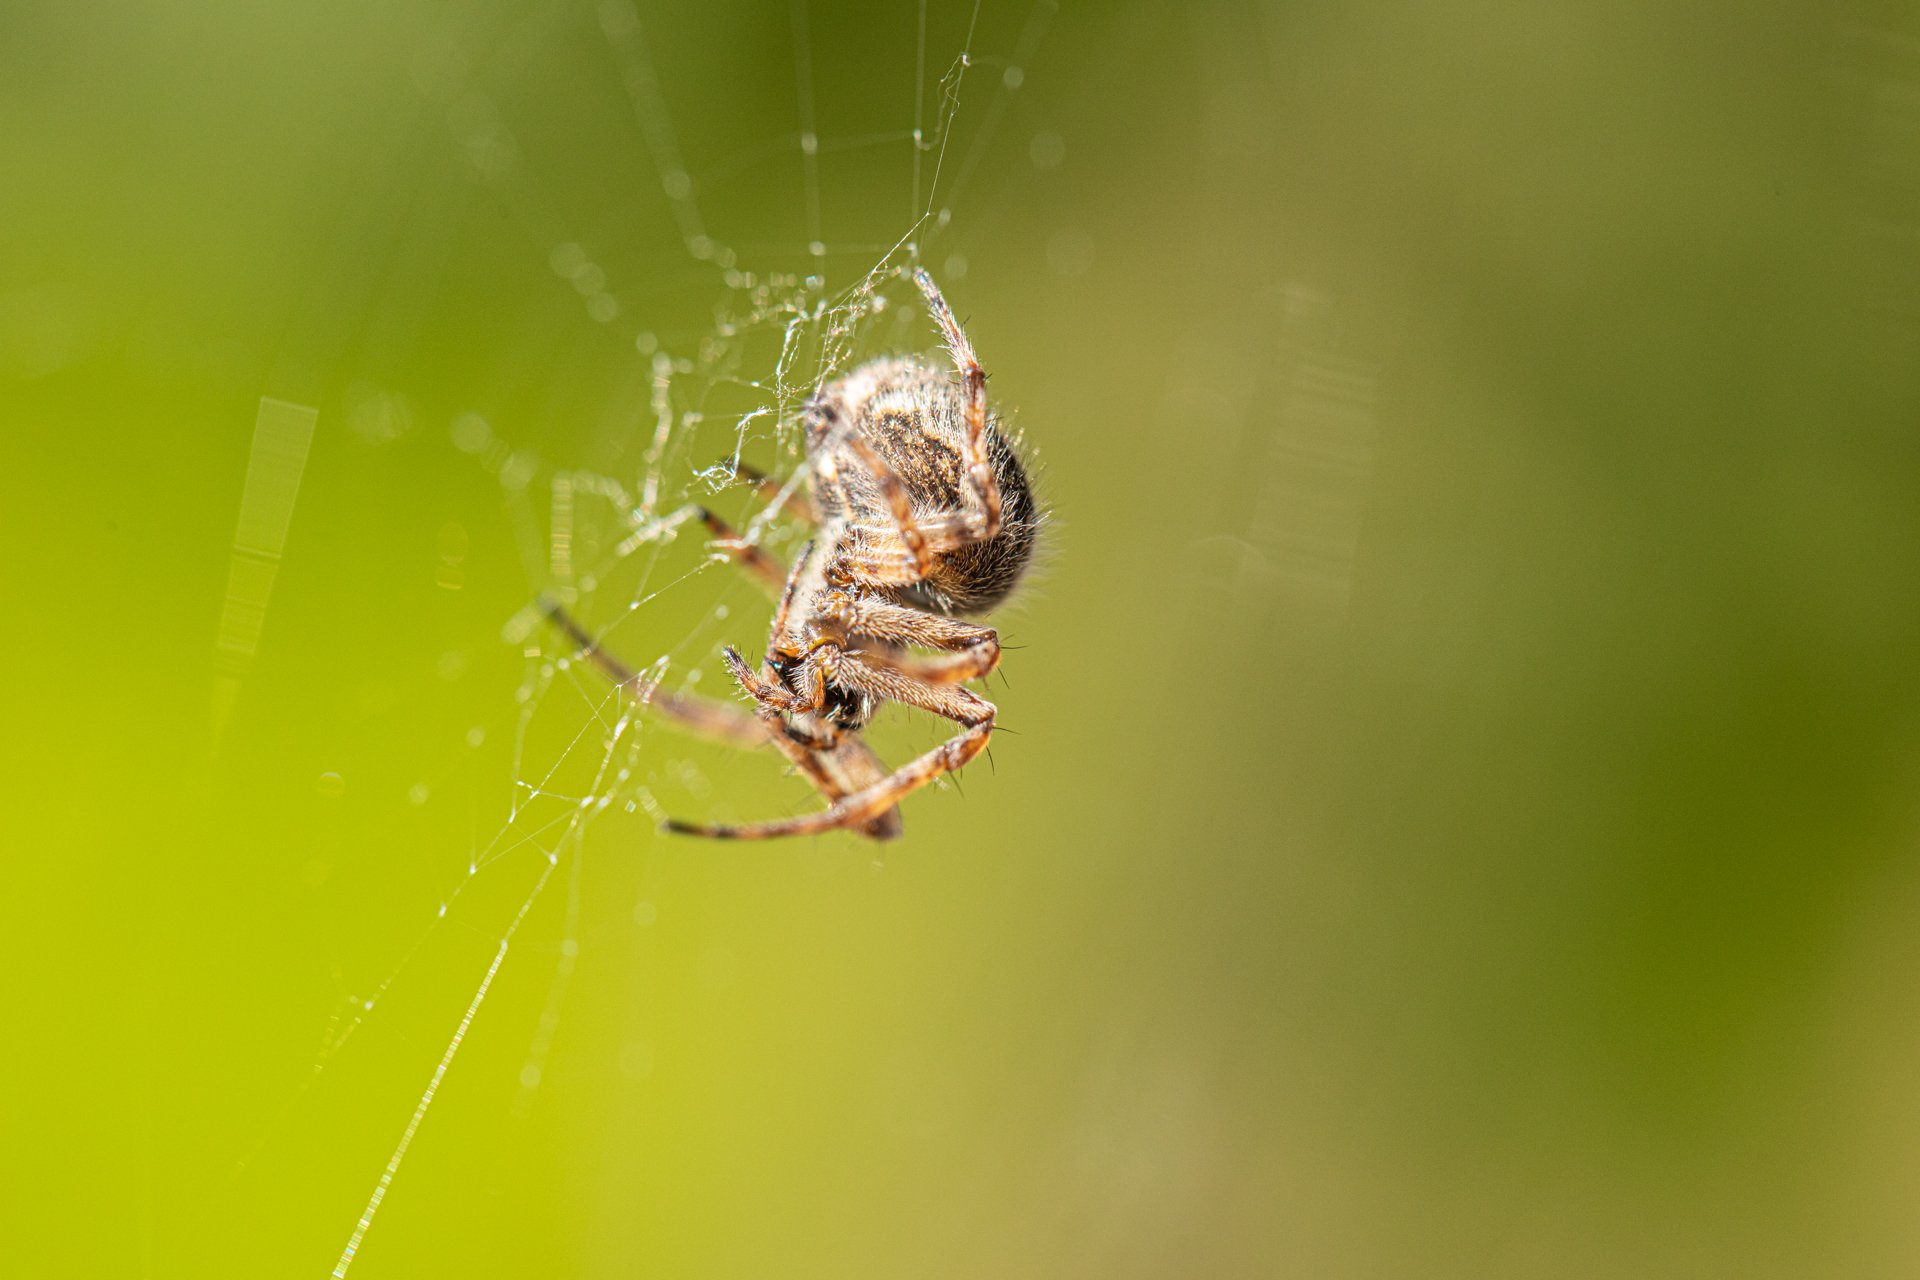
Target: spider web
604,522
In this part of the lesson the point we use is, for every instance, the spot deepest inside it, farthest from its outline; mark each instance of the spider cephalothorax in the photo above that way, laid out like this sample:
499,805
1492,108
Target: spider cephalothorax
924,516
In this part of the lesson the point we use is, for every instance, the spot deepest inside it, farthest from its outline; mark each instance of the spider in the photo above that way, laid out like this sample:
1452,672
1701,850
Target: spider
923,516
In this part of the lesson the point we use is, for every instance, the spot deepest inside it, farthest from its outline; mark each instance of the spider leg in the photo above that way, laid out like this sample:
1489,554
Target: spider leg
971,651
875,559
980,488
836,767
836,764
862,806
719,721
773,490
848,767
747,555
894,680
893,491
952,668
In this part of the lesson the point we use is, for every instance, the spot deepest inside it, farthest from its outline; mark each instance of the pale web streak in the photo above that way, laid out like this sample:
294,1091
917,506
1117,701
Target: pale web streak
282,437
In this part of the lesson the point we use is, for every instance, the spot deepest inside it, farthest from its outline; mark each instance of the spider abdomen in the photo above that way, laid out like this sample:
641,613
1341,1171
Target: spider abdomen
976,578
914,417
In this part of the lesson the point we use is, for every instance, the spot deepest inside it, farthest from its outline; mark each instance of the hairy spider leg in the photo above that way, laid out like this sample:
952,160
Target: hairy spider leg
893,491
884,681
862,806
774,694
981,488
970,652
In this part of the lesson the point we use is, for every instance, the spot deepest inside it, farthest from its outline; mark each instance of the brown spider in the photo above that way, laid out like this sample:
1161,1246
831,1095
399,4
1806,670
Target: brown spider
924,515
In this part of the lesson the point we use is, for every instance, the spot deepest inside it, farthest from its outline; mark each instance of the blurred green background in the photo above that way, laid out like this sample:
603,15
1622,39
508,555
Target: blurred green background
1461,814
